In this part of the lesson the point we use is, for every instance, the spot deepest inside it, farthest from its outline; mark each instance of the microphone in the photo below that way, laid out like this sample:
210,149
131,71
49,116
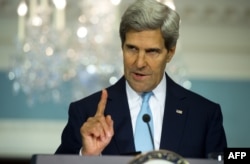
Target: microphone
146,118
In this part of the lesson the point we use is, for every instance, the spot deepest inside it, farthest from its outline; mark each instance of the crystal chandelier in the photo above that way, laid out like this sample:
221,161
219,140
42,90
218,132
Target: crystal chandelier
62,56
83,56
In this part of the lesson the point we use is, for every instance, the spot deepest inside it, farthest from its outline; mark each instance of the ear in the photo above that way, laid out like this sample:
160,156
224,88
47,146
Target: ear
170,54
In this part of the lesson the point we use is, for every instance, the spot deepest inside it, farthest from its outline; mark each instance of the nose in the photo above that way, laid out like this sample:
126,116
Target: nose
140,60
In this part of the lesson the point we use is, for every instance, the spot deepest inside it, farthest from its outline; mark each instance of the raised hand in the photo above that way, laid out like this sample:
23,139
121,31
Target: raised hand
97,131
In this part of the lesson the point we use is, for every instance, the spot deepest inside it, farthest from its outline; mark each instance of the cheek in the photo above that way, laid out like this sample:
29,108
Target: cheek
158,64
159,67
126,63
127,60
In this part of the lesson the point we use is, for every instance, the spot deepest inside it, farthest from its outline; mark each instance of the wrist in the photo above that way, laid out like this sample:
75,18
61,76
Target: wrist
86,153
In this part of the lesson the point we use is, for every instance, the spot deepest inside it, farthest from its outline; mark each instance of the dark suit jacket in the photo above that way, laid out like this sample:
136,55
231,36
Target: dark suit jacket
194,133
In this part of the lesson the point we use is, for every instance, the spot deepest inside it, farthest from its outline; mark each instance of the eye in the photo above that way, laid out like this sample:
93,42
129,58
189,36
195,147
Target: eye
131,48
153,52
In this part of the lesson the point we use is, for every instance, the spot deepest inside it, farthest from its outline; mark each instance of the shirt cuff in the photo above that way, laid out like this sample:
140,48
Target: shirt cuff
80,153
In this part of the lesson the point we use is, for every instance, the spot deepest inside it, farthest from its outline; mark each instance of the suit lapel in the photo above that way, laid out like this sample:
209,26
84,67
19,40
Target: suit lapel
175,116
118,107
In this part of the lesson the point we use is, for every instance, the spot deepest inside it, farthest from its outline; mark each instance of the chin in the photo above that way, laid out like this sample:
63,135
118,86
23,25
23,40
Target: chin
139,86
140,89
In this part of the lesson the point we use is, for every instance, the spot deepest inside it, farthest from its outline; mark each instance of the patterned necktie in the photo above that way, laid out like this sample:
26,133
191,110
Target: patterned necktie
143,141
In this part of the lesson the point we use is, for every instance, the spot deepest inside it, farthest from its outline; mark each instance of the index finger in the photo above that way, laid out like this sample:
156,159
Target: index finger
102,103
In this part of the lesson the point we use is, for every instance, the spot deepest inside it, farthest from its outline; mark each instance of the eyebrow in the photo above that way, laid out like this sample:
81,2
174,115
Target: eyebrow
131,45
147,49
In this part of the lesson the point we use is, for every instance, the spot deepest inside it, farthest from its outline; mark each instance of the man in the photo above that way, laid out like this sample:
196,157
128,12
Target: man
183,122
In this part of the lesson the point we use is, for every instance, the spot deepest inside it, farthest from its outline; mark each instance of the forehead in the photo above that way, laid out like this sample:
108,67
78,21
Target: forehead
145,38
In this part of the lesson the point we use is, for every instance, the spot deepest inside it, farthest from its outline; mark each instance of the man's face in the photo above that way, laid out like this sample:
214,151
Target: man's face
145,57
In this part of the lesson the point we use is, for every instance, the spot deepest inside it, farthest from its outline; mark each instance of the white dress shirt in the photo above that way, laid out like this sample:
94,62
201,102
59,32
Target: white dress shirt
156,103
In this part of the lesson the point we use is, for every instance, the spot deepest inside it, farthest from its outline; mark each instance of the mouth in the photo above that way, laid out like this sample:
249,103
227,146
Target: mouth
139,76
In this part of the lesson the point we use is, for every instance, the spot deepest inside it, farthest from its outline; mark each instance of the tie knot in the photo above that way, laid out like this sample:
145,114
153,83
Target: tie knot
146,96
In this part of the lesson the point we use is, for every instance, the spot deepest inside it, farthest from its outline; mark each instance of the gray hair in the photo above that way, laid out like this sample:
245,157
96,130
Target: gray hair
151,15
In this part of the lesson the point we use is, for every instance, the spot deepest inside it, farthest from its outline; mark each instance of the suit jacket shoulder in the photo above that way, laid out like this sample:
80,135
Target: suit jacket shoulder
192,124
